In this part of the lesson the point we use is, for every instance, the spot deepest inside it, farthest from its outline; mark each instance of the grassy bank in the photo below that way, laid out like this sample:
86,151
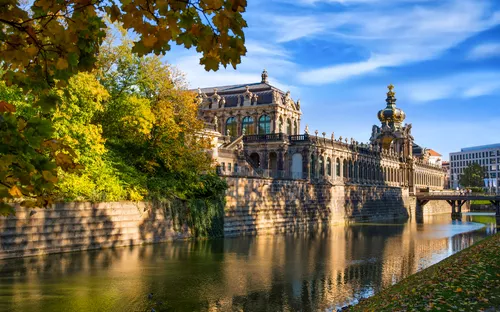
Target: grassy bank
480,202
466,281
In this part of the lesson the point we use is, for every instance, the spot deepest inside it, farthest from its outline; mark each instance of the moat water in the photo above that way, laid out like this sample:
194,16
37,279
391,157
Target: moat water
308,271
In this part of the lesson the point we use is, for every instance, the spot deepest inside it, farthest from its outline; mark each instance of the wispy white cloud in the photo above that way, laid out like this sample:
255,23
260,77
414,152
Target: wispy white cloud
485,50
275,59
464,85
393,36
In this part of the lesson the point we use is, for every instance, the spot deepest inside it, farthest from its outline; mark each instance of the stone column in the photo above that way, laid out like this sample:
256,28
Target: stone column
238,125
256,123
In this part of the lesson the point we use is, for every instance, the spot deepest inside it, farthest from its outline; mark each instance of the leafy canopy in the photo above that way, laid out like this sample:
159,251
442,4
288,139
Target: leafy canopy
473,176
49,40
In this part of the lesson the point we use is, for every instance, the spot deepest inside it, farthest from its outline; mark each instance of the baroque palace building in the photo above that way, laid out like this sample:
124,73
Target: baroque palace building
256,134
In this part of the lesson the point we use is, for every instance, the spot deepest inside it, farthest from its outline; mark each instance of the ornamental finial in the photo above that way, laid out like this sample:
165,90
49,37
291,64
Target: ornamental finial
391,93
264,76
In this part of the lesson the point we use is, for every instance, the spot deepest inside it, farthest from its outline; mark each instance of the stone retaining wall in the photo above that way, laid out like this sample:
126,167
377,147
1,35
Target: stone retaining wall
257,206
254,206
83,226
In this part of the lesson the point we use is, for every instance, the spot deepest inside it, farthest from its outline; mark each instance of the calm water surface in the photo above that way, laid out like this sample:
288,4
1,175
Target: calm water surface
312,271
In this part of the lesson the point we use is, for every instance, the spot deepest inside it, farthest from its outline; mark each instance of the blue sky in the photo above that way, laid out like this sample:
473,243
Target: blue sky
338,56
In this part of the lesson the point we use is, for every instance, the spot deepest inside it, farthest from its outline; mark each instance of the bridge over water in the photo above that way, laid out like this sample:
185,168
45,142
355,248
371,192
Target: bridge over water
457,200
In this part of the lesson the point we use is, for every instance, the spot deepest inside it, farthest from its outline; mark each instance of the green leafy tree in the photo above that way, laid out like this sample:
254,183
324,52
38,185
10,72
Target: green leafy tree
152,121
473,176
29,158
44,43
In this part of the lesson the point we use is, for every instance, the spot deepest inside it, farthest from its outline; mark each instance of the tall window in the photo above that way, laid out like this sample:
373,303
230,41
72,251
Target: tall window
231,127
288,127
321,166
295,128
264,124
247,126
338,167
329,167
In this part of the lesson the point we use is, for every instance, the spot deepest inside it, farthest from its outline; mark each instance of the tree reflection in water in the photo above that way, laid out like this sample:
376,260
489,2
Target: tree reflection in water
303,271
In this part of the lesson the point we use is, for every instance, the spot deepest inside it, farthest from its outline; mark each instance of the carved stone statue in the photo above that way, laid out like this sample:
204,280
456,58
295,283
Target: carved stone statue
306,130
298,104
215,121
255,97
333,136
248,94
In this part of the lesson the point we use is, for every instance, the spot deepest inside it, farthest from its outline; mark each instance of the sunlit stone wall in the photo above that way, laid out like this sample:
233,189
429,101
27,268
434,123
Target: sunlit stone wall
256,205
82,226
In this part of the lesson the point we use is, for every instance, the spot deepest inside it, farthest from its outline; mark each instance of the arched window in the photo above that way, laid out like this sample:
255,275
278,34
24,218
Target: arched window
247,125
321,166
264,124
295,127
338,167
289,127
255,159
329,167
231,127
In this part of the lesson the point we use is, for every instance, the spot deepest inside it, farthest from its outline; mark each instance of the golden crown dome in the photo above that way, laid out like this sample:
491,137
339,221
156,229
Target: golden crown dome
391,114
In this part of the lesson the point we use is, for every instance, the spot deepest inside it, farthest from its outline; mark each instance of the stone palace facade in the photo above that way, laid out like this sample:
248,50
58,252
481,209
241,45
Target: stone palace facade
256,128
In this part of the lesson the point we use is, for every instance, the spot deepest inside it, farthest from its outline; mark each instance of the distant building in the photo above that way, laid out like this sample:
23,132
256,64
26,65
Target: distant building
488,156
434,157
446,168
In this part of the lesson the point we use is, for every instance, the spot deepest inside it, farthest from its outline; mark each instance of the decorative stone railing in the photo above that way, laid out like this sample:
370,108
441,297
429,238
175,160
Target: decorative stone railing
256,138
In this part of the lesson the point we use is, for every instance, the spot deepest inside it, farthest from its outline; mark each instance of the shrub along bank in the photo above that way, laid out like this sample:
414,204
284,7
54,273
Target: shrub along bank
466,281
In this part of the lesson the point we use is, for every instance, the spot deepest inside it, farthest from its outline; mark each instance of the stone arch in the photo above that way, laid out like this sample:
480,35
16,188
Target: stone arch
255,157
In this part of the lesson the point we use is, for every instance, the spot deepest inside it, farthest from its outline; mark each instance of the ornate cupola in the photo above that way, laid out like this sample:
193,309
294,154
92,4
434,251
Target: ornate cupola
391,115
264,76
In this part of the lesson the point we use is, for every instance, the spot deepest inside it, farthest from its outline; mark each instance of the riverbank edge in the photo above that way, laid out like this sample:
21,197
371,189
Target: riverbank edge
466,281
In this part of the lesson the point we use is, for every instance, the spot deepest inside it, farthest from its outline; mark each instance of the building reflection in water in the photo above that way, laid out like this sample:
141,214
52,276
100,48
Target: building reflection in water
302,271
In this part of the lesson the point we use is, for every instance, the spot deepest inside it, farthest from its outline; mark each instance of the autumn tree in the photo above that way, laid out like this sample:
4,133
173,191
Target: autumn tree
473,176
43,43
151,119
48,40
